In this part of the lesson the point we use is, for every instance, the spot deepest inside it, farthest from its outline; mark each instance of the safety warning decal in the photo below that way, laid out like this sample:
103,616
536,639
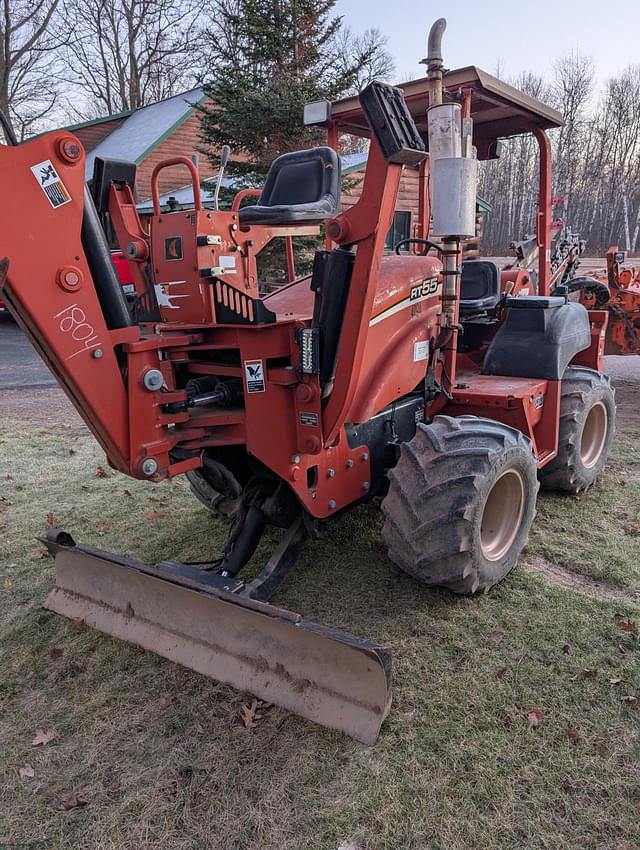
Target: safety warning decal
50,183
254,375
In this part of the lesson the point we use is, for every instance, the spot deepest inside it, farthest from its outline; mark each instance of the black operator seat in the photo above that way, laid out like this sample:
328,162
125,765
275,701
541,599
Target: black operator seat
301,187
479,287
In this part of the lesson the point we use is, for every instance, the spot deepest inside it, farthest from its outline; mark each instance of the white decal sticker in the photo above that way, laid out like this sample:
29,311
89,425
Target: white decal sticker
420,350
524,291
228,263
164,296
50,183
254,375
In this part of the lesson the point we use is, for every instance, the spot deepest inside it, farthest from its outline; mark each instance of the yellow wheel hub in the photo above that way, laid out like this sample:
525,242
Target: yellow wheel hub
502,515
594,435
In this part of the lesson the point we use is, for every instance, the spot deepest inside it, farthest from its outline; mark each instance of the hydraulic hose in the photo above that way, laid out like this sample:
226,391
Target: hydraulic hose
105,278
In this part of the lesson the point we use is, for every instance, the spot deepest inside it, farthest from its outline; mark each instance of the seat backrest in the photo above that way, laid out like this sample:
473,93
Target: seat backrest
479,286
303,186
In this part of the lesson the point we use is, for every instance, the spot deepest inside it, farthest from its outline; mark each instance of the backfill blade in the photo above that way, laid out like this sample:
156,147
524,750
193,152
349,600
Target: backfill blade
327,676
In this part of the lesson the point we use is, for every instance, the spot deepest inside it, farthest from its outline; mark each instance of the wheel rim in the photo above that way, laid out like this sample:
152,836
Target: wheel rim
502,515
594,435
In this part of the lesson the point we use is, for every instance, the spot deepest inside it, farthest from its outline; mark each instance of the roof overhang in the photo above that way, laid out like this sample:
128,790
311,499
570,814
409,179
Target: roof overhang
498,109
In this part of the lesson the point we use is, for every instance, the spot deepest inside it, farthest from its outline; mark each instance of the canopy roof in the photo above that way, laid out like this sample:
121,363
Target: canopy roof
498,109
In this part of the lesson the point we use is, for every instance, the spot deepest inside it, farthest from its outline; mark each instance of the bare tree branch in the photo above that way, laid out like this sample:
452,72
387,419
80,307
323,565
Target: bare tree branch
123,54
27,42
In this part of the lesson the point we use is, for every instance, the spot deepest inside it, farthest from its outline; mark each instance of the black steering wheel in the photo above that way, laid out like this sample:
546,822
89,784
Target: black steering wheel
416,241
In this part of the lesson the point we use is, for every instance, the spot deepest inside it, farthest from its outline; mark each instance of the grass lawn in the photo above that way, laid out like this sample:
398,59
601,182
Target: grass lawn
150,755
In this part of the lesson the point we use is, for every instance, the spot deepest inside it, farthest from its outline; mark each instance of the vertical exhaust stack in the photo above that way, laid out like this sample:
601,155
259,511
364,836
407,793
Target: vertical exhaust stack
453,172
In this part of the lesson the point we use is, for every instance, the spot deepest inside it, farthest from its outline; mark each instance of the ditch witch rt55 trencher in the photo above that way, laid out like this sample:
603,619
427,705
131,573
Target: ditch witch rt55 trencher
436,385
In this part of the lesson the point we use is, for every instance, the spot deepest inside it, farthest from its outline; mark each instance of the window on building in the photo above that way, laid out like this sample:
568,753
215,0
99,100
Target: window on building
400,229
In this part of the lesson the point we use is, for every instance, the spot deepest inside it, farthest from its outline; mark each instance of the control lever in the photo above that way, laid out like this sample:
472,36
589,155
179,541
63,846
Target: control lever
224,158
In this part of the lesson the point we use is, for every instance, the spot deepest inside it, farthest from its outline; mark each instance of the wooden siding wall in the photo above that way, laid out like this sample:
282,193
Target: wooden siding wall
184,141
407,193
92,136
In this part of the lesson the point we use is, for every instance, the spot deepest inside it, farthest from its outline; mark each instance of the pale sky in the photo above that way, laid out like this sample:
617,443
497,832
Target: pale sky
523,35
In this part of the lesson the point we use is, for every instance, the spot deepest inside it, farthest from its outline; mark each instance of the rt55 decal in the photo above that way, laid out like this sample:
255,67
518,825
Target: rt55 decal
427,289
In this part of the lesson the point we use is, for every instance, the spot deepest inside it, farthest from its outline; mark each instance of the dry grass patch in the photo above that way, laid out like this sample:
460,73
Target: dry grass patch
160,754
597,533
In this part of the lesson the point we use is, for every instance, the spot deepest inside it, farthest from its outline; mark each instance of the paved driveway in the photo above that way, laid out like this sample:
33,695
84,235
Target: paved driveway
20,366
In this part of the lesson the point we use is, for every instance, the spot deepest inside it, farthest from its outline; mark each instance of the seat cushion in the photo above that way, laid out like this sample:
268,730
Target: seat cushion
303,186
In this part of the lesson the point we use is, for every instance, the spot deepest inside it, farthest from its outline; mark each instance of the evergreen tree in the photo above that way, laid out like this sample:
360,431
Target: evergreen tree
267,59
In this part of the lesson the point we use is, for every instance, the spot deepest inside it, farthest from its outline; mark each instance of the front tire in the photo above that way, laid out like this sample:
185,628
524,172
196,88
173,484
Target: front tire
461,502
587,425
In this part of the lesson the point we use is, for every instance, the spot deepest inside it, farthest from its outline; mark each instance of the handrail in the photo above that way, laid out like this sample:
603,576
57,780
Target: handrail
242,194
195,180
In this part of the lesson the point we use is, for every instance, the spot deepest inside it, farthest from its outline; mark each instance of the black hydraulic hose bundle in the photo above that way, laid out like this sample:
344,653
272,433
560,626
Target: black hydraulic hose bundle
105,277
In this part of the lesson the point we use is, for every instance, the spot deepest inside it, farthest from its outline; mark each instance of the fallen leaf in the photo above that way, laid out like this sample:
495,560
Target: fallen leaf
176,483
498,637
534,717
253,713
154,514
39,553
573,678
168,700
620,649
616,680
79,624
72,452
70,803
100,473
500,673
551,667
630,700
9,477
52,522
128,493
571,784
8,582
103,527
27,771
633,529
602,746
627,625
591,672
42,737
566,648
249,715
573,735
56,652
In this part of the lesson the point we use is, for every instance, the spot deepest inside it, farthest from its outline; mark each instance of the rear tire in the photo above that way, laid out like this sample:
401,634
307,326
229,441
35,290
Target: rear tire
587,425
461,502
